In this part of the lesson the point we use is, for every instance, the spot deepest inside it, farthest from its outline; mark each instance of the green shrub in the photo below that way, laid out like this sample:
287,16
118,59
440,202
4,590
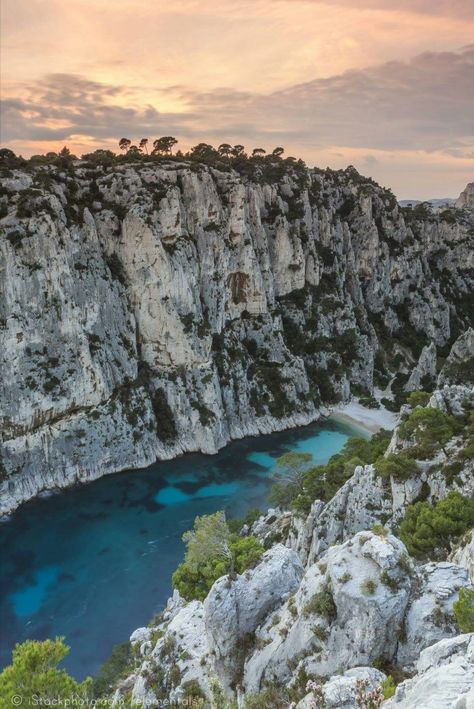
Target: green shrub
390,405
192,690
370,402
389,581
396,465
166,427
418,398
430,428
321,603
388,687
213,551
368,586
273,697
34,675
428,530
463,610
116,268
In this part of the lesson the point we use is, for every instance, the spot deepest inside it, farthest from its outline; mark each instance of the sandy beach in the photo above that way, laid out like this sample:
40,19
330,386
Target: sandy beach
371,420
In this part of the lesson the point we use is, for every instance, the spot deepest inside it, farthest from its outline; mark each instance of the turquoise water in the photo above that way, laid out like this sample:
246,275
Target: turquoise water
95,562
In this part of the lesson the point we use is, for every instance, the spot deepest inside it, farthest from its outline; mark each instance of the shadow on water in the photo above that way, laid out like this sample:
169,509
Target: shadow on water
95,562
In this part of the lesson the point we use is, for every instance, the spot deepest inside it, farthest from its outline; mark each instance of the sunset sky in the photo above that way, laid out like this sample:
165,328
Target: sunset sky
385,85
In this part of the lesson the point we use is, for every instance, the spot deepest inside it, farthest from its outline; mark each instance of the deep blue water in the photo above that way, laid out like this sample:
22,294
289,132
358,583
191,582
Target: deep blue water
95,562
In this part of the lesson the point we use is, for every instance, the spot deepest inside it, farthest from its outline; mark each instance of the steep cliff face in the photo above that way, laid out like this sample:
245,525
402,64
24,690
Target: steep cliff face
466,198
152,309
337,598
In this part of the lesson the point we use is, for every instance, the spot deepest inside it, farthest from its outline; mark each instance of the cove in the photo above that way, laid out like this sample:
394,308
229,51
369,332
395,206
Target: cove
94,562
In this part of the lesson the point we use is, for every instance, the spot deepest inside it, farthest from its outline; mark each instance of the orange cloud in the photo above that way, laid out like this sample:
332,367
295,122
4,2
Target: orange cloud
327,78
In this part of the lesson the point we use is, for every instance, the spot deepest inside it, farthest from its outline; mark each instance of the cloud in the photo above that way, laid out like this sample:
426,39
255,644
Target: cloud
370,116
62,106
457,9
426,104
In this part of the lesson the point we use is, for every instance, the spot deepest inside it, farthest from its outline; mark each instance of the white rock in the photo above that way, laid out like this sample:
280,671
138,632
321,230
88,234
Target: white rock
234,609
444,678
429,617
359,625
464,554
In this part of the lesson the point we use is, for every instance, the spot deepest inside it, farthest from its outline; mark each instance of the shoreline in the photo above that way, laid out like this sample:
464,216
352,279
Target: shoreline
369,420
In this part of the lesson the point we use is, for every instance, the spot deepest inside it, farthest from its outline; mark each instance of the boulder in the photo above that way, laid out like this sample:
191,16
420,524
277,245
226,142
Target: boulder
346,612
444,678
234,609
429,615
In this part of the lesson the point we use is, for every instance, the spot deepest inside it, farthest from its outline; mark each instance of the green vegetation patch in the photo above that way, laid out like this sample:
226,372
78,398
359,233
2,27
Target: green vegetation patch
429,531
463,610
34,675
213,551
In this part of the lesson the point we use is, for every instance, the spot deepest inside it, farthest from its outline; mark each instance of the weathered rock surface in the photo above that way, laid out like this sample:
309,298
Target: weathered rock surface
341,616
233,610
429,615
425,369
444,678
466,198
340,691
463,555
459,365
151,309
363,602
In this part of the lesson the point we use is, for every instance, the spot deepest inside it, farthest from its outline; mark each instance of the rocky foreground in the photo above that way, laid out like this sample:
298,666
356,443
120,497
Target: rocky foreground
153,307
337,603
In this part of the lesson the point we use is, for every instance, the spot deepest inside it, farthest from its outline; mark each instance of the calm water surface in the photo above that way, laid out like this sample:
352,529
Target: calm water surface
95,562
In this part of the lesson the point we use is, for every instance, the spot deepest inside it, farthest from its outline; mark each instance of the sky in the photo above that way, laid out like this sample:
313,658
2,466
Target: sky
385,85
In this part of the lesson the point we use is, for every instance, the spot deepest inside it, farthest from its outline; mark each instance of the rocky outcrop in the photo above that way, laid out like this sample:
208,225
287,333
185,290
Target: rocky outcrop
444,678
234,610
429,616
459,365
342,691
363,602
341,616
463,555
424,374
466,198
148,309
367,498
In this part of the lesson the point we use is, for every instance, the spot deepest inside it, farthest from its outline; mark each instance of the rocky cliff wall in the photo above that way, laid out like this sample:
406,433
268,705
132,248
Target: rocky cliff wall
151,309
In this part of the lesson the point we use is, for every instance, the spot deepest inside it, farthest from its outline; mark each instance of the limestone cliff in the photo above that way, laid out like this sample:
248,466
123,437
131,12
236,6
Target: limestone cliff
153,308
363,603
466,198
334,600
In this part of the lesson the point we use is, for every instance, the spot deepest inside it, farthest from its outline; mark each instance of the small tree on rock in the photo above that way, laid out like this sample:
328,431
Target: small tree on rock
213,551
124,144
